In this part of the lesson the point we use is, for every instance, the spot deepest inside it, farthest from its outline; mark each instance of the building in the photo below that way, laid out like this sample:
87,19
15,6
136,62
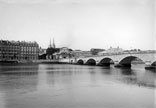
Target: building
42,53
95,51
57,53
51,50
79,53
63,53
112,51
18,51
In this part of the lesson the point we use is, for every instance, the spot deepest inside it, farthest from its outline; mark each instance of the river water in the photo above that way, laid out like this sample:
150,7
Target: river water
76,86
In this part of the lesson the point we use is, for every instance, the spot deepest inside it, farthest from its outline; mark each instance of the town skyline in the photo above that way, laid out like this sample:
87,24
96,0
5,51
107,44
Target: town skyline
53,45
80,24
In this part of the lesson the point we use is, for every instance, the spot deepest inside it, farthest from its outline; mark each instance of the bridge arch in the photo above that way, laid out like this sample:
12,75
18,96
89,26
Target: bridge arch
126,62
106,61
81,62
91,62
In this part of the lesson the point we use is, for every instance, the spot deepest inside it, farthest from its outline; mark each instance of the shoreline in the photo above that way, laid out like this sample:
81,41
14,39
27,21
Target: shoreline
62,61
37,62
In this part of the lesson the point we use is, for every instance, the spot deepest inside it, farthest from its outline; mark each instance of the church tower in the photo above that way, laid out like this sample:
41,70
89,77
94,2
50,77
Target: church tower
54,43
50,46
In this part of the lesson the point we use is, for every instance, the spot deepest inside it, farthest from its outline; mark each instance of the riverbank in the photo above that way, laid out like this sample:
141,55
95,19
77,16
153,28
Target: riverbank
61,61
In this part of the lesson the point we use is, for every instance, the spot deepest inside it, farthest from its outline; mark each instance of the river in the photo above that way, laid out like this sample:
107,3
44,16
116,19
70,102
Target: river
76,86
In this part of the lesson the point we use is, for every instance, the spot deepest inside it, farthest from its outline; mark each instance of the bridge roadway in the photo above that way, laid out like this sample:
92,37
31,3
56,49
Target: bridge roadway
119,59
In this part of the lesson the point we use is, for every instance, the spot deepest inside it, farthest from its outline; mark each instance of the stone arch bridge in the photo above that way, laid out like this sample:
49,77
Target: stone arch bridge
120,59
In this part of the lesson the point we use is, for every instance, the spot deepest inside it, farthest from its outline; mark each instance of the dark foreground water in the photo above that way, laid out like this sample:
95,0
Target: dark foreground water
75,86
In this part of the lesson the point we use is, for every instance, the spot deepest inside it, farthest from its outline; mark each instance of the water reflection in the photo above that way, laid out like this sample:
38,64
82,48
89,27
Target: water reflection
128,76
137,77
149,79
127,72
19,69
17,80
18,77
74,86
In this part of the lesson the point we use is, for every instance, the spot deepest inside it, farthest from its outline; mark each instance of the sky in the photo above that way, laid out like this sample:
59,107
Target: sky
80,24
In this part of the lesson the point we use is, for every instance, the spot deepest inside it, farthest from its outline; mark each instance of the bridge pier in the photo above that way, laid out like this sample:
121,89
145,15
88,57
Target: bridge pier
150,66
